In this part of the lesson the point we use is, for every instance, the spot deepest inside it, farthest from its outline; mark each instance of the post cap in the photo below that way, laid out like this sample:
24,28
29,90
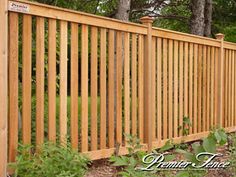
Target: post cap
146,19
220,36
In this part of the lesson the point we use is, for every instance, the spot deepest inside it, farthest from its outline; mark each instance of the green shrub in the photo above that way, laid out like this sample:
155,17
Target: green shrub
49,160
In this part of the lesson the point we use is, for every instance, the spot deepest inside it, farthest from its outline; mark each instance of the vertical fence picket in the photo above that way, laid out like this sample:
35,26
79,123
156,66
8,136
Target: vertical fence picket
186,68
232,91
213,88
127,85
103,88
199,115
119,87
165,101
226,91
216,65
111,86
229,89
195,87
26,78
13,86
74,86
204,88
84,88
63,82
154,90
140,86
181,75
170,90
176,85
40,80
133,82
159,89
191,87
208,103
52,80
94,87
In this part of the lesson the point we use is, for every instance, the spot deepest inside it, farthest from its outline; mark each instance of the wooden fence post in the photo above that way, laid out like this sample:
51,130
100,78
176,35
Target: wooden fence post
148,85
3,86
220,37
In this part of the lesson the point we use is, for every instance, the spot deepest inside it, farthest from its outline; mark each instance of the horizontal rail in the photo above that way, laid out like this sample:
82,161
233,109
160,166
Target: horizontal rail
47,11
229,45
163,33
189,138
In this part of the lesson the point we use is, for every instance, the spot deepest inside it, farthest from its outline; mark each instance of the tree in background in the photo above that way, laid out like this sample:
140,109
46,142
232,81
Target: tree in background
200,17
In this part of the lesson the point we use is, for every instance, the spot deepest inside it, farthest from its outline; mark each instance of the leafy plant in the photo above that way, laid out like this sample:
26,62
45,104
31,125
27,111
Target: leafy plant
131,161
129,164
232,150
216,138
49,160
186,126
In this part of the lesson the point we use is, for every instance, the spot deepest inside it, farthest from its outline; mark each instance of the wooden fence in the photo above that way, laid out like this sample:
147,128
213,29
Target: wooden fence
95,79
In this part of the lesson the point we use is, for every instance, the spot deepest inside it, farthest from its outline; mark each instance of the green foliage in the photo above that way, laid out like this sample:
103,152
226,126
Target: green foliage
186,126
129,164
175,16
216,138
223,19
232,150
132,160
49,160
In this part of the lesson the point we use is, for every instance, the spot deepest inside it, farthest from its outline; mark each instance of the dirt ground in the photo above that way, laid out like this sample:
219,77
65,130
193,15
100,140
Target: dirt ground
102,168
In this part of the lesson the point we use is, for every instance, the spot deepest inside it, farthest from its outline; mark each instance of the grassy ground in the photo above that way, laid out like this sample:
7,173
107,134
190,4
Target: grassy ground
33,115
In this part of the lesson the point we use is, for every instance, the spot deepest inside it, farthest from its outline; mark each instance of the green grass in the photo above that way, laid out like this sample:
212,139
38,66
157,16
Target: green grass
33,116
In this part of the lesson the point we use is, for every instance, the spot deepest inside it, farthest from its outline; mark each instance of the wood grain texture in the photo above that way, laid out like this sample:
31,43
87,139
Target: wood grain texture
74,86
204,80
159,89
195,87
127,85
140,86
3,86
186,90
111,87
181,86
63,82
84,88
103,88
154,121
170,90
176,85
40,51
94,88
191,87
119,87
199,117
26,78
52,80
13,87
165,83
134,84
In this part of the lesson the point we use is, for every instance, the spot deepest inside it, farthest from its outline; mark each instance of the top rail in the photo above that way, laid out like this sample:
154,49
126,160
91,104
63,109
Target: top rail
229,45
48,11
184,37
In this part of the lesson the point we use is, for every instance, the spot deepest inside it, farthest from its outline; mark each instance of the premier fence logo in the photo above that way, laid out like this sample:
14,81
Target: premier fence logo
205,160
18,7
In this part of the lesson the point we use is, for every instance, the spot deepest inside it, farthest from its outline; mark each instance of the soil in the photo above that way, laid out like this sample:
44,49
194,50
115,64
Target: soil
102,168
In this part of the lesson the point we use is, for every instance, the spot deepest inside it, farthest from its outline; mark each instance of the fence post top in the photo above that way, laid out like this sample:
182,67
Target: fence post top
146,19
220,36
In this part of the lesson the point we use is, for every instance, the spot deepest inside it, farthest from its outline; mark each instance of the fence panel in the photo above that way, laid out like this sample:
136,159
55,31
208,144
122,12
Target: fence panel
83,80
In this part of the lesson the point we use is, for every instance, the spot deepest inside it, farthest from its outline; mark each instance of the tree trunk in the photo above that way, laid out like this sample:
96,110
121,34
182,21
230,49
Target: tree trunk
123,10
208,18
197,19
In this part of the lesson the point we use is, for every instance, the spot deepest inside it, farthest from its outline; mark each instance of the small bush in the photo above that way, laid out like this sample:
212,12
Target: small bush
49,160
